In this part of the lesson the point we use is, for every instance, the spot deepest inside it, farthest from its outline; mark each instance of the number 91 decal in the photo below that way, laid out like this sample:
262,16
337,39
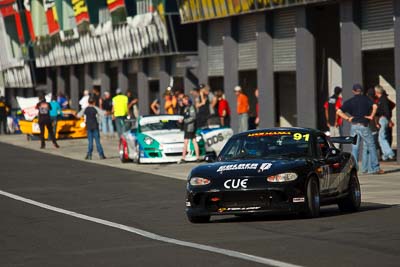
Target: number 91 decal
300,136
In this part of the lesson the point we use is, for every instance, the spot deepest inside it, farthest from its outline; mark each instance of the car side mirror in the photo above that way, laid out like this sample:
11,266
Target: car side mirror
210,158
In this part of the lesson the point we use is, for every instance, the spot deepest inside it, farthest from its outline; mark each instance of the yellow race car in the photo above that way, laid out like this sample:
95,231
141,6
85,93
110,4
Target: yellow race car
67,127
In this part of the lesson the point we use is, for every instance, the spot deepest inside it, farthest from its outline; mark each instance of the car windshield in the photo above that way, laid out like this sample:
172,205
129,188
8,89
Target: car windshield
267,144
161,124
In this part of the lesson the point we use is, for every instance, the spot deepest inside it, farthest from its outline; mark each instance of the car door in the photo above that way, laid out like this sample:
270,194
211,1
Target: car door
332,164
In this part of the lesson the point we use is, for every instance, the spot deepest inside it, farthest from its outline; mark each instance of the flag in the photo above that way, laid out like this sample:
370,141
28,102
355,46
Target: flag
114,5
81,11
51,15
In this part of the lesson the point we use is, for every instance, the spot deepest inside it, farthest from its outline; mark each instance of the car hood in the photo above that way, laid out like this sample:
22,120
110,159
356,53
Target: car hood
165,137
251,168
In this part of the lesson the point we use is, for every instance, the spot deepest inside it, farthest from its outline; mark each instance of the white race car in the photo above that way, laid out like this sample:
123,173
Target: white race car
159,139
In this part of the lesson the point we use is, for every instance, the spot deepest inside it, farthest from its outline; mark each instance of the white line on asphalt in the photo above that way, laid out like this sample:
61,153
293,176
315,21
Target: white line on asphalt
227,252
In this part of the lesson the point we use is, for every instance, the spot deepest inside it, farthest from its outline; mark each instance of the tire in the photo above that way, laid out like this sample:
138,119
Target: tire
122,154
137,158
312,204
198,219
352,202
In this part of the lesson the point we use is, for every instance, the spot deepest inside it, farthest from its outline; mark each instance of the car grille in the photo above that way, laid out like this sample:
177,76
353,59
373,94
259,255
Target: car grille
177,154
263,199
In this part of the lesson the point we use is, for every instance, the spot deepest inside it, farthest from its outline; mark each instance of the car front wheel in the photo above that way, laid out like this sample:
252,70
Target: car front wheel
352,201
312,207
198,219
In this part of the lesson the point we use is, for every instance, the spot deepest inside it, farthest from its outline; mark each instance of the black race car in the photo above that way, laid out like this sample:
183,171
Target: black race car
274,170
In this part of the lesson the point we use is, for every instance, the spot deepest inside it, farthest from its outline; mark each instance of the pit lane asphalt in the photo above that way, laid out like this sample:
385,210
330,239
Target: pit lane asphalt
31,236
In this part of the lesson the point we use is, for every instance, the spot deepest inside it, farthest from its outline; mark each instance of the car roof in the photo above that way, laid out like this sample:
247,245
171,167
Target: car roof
280,129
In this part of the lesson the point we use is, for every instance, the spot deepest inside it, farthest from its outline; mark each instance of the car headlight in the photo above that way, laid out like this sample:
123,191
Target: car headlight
282,177
148,140
195,181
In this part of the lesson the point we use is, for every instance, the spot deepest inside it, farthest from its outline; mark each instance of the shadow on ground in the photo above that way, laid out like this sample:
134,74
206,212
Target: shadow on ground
326,212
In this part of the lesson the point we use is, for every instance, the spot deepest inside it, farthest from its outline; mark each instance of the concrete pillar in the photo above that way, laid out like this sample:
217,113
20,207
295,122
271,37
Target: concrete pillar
20,92
88,78
30,92
143,87
265,71
396,4
350,45
123,75
104,77
190,80
305,70
231,71
202,43
165,76
49,80
74,86
60,80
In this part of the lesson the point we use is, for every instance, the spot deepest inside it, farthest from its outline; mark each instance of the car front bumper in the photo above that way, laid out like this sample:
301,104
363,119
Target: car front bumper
267,200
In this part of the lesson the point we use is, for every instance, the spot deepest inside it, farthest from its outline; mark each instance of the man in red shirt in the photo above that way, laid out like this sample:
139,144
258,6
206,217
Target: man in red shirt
242,109
333,121
224,112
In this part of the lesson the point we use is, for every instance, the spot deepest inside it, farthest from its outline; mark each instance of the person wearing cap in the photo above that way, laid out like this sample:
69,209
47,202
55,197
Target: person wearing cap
107,124
358,111
384,116
333,121
120,111
242,109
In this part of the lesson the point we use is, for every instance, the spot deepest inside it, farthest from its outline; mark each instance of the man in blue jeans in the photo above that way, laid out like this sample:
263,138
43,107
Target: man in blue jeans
361,110
384,116
92,114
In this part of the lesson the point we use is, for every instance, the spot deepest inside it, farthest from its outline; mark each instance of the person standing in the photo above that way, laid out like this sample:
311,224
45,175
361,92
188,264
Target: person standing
62,100
55,113
333,121
189,128
84,101
92,115
168,105
107,122
242,109
361,110
133,110
224,112
203,109
384,116
3,115
45,121
120,111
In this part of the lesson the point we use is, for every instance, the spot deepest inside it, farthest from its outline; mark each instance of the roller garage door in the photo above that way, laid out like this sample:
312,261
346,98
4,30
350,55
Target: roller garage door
284,42
215,48
247,42
377,24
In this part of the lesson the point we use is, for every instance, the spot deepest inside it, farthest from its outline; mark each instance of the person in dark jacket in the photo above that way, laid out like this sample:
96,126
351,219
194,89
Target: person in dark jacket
3,115
45,121
189,128
384,116
358,111
92,116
